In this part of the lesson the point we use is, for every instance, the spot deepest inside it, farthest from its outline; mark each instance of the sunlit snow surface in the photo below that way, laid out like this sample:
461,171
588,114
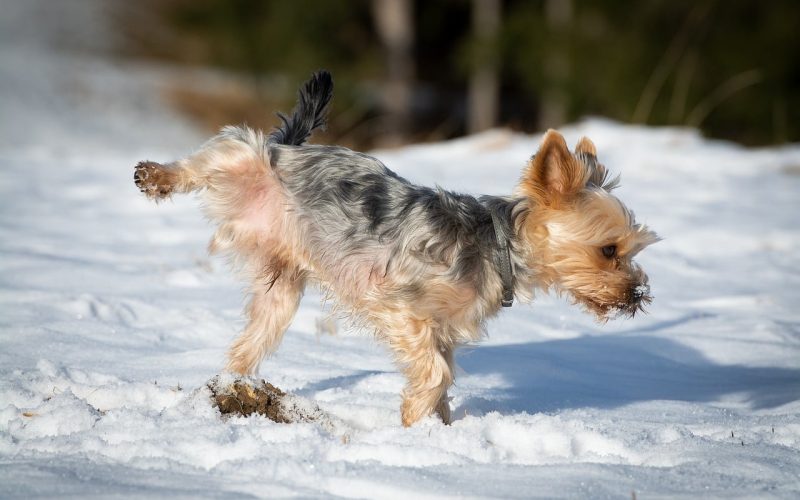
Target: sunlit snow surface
112,318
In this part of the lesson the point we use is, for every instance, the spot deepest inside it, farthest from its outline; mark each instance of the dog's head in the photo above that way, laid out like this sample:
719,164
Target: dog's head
583,238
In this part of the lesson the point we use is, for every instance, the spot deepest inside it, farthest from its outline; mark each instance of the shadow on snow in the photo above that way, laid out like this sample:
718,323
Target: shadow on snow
610,371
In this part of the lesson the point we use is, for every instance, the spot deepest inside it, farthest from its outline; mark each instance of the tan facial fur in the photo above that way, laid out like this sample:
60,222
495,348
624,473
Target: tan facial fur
573,217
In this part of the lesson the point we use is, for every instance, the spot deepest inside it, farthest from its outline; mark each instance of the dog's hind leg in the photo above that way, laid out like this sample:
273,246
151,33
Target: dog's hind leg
272,306
158,181
235,151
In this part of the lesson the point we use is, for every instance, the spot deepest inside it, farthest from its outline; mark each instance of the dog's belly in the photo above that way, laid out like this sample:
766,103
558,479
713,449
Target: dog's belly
388,297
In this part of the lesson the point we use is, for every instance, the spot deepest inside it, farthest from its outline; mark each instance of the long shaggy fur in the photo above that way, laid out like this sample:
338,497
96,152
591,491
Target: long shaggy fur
309,114
416,264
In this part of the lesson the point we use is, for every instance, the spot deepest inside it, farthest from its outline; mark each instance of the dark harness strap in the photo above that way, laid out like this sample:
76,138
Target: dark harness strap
503,259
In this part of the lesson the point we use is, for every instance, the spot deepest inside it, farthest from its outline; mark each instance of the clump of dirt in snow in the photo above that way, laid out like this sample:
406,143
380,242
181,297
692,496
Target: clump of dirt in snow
245,396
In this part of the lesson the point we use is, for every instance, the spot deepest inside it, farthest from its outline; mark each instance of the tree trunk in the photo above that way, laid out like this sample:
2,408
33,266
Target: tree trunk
394,22
484,84
555,99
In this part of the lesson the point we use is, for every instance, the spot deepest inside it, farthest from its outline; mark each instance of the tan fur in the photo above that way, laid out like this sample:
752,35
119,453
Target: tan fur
576,216
585,146
570,216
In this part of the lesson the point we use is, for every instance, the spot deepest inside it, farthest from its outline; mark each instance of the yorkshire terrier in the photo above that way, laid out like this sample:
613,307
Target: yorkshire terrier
423,268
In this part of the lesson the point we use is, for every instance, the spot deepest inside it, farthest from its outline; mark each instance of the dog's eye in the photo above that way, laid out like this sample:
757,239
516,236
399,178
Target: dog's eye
609,251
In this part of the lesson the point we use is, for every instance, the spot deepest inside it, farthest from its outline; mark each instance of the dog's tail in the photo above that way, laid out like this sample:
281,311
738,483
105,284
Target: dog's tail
309,113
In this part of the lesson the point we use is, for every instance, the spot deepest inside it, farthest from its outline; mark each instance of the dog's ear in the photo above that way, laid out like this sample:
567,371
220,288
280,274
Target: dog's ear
553,174
585,146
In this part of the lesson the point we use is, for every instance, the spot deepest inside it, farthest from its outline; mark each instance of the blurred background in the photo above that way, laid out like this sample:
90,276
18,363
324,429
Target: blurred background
416,71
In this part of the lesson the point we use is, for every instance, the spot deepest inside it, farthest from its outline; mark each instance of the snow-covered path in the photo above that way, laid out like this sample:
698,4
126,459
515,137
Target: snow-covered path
112,317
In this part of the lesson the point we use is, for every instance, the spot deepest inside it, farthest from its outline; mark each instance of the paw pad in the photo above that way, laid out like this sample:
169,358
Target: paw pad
152,179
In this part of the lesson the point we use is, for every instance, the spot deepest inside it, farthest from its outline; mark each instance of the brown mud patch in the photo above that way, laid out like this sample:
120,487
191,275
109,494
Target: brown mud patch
243,398
246,396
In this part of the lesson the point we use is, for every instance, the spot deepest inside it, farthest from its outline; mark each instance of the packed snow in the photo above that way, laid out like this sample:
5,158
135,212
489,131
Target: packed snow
113,318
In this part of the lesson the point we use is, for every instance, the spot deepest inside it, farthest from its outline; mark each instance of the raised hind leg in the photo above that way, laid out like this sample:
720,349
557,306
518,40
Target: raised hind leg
234,151
272,306
159,181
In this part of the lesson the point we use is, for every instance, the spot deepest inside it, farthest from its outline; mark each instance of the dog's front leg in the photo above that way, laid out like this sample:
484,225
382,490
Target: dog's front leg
443,407
429,369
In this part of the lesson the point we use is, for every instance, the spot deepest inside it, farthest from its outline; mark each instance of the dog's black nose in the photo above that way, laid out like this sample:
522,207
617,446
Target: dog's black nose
638,297
639,291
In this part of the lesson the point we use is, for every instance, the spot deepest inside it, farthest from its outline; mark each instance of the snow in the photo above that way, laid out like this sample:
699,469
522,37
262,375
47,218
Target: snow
112,319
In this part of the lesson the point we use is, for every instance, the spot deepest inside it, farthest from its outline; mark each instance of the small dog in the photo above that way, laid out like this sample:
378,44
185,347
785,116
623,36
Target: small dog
421,267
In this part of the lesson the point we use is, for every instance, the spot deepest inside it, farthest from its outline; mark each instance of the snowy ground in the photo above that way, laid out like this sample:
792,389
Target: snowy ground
112,317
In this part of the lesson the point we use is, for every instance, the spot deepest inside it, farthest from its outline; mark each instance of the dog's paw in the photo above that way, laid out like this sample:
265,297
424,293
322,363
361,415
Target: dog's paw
153,180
